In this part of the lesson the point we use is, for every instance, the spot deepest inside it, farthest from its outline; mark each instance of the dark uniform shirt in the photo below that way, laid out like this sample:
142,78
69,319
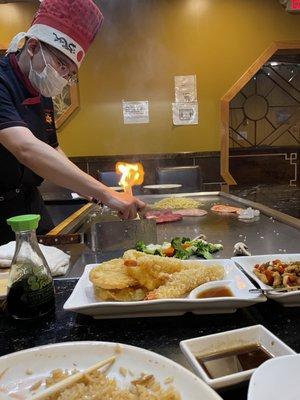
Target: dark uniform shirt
21,105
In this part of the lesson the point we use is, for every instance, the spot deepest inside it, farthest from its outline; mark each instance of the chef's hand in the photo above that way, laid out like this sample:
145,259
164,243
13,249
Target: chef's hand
126,205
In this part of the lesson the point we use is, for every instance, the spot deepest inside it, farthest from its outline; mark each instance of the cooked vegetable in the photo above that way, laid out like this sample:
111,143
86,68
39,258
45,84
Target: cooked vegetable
140,246
181,247
213,248
203,249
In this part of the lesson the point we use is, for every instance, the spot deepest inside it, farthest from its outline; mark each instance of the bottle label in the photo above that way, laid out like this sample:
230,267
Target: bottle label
35,287
38,279
39,296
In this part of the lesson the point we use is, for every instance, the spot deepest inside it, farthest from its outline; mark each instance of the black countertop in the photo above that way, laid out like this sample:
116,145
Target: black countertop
161,335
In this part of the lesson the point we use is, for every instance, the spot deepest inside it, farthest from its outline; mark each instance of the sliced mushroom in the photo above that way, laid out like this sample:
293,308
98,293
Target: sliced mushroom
241,249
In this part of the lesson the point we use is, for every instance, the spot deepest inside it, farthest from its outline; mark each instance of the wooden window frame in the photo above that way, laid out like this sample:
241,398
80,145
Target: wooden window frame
233,91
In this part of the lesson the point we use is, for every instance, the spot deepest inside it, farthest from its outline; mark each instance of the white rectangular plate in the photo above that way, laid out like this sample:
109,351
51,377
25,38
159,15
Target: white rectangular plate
82,299
291,299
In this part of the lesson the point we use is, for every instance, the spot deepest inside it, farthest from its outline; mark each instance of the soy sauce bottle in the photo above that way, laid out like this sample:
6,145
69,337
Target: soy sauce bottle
30,284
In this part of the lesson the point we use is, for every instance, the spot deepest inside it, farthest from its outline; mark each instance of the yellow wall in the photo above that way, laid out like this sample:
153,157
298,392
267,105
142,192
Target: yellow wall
143,44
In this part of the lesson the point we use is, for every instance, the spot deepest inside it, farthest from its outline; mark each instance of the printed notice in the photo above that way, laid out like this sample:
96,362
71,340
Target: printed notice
185,88
185,113
136,112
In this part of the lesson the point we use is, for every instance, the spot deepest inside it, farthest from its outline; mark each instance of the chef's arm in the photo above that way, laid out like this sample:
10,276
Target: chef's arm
50,164
59,149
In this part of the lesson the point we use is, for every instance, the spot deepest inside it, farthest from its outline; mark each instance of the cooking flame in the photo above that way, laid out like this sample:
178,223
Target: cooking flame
132,174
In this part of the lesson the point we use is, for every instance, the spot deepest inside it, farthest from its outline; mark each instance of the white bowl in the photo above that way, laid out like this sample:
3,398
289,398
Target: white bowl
225,341
209,285
276,379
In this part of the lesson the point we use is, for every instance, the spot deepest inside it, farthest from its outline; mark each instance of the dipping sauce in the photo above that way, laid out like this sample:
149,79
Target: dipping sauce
236,360
219,291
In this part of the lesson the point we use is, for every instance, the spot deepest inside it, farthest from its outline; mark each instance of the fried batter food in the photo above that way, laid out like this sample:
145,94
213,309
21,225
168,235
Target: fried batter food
111,275
168,265
149,278
186,280
133,254
126,294
153,271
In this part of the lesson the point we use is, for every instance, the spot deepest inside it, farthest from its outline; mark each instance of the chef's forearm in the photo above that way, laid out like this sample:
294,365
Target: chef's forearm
59,149
50,164
57,168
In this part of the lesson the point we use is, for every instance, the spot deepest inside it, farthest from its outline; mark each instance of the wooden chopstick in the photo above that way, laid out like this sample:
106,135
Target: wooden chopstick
59,386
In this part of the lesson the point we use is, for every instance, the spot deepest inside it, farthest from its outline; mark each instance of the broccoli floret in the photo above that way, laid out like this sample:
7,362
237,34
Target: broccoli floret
140,246
191,250
182,254
206,254
176,243
215,247
185,239
202,249
179,252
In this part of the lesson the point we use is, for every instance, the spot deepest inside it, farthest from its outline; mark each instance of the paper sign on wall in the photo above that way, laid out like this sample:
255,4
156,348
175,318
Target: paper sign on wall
136,112
185,88
185,113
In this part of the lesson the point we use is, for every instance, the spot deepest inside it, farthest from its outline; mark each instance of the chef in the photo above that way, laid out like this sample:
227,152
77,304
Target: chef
53,50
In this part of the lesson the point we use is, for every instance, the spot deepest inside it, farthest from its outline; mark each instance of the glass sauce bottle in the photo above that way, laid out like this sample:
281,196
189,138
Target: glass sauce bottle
30,284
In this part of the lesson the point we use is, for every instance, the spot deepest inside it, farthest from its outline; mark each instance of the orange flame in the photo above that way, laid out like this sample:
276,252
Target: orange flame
132,174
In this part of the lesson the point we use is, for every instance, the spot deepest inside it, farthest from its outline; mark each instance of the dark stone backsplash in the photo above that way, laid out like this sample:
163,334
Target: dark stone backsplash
247,166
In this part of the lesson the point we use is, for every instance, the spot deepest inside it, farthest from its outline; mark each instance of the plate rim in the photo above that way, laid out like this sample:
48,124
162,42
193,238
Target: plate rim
124,346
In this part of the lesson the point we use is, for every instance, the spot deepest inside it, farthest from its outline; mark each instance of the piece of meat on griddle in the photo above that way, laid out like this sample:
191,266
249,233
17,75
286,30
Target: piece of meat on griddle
163,216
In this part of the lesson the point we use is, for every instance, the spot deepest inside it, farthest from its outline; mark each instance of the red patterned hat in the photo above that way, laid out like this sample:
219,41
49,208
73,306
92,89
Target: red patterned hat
68,25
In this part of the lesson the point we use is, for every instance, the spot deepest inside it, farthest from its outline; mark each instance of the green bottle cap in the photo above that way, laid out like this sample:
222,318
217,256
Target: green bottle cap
28,222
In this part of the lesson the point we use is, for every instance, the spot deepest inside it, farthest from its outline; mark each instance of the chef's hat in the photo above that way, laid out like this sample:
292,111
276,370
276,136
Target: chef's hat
68,25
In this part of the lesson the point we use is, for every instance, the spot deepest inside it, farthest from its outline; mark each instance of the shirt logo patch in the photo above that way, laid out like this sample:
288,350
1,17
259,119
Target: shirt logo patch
48,118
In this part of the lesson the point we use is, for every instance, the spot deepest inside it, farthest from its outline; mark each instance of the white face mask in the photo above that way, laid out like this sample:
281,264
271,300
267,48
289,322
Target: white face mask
48,82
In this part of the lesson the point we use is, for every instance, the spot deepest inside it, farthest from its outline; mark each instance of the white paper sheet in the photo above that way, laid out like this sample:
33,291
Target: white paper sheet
185,88
136,112
185,113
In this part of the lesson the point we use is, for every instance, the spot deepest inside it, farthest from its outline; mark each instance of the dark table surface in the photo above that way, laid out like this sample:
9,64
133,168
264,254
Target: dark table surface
161,335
